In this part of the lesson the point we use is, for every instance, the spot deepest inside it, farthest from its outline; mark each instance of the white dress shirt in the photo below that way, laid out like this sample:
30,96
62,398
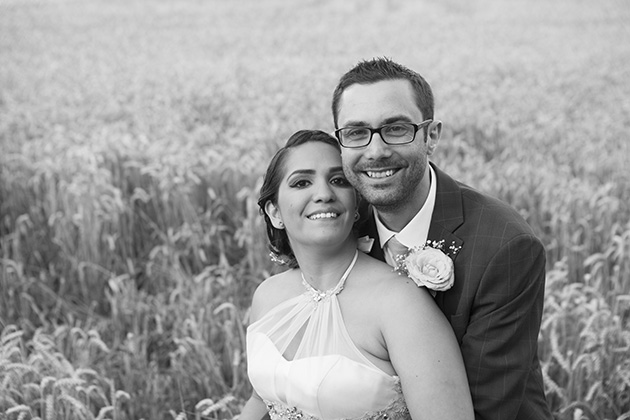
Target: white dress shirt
415,233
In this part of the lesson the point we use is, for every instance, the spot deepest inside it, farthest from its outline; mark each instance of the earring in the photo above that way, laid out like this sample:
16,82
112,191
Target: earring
277,259
280,225
356,216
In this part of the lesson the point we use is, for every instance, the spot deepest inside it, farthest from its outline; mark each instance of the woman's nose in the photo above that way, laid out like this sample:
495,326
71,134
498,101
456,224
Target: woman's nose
323,192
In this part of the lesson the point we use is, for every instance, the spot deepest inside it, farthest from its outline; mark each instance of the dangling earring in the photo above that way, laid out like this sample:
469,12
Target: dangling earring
277,259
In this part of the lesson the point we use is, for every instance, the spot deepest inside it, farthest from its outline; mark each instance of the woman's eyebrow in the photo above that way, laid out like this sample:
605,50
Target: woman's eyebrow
302,172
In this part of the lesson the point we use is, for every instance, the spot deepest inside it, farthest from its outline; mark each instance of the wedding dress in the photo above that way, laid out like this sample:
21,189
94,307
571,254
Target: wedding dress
328,378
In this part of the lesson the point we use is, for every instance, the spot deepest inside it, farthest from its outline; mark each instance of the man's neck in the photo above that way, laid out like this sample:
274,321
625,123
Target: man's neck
396,217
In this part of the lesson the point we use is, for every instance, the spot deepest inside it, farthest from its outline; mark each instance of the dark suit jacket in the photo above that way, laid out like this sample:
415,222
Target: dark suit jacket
495,305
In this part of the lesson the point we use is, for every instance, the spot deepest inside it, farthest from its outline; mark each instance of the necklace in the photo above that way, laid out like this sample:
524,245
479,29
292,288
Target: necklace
318,295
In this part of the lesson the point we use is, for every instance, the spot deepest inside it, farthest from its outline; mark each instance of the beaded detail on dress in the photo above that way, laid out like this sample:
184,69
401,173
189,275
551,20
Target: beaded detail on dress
396,410
318,295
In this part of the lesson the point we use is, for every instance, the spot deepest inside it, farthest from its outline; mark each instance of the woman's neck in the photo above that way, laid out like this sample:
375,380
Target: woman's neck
322,268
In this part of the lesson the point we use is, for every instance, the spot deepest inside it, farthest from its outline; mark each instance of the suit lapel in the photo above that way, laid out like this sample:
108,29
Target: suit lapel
371,231
448,215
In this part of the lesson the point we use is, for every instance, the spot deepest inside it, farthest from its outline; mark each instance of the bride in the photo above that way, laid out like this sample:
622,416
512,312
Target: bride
339,335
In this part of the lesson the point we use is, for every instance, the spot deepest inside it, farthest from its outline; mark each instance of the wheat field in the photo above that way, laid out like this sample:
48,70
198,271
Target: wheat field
133,135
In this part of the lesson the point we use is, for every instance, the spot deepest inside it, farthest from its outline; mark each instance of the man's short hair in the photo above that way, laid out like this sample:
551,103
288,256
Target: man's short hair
379,69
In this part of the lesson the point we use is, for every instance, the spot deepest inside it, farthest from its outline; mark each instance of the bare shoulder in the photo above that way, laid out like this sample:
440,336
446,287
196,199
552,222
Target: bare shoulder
271,292
404,295
271,283
391,288
408,315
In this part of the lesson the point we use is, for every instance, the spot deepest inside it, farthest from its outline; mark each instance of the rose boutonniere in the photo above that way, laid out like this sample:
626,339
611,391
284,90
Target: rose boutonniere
364,244
428,266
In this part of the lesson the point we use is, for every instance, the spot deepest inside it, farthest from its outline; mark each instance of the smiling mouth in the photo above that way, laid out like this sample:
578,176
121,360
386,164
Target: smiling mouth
319,216
380,174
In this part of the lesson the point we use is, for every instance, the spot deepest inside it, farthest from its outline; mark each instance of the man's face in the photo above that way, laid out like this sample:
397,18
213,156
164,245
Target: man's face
391,177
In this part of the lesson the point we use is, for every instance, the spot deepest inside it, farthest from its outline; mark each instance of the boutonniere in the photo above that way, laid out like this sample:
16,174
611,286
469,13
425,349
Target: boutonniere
364,244
429,266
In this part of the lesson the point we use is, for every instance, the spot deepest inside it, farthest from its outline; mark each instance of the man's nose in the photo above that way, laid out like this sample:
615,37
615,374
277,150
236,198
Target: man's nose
377,147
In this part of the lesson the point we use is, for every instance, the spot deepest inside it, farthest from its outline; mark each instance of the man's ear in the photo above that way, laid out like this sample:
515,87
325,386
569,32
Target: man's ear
274,214
433,136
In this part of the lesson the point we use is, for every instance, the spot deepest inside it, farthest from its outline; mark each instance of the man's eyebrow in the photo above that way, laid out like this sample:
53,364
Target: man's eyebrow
389,120
356,124
397,118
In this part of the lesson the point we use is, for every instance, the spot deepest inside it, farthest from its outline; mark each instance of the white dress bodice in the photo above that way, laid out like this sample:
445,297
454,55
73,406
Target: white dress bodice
328,377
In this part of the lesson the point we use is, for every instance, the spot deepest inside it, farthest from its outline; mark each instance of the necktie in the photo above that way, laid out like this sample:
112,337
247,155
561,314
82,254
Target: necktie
393,248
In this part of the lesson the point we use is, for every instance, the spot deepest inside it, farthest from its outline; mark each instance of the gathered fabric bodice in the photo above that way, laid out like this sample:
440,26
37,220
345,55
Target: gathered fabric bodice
328,377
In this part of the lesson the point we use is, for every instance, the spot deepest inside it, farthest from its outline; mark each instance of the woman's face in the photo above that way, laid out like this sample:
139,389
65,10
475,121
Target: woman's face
316,204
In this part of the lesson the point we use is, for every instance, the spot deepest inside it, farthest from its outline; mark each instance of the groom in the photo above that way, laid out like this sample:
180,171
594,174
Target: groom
383,113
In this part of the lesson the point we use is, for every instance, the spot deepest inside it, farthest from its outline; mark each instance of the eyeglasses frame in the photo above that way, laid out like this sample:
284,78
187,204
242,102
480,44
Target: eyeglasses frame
416,127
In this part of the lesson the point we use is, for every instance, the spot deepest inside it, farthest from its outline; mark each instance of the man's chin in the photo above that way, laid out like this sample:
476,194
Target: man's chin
382,199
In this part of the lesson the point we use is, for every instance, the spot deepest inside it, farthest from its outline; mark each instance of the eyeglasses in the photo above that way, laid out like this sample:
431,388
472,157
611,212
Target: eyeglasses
397,133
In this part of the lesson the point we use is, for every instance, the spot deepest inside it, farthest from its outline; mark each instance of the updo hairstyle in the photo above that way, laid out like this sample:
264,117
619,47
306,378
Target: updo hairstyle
279,245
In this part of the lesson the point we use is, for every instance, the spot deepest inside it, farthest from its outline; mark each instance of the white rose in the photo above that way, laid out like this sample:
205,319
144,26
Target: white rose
431,268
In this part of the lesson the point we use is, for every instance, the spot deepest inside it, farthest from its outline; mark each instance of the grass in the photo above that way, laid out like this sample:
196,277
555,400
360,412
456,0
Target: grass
133,136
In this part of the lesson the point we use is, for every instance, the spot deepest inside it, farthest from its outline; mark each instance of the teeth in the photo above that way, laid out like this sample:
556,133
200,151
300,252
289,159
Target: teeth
380,174
323,216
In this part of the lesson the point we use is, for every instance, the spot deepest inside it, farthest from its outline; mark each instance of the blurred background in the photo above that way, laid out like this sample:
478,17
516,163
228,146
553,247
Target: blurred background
133,136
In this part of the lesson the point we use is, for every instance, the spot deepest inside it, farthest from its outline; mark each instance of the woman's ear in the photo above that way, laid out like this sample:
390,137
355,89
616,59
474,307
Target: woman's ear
274,215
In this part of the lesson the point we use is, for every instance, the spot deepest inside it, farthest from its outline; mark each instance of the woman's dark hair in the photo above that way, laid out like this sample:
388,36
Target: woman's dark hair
278,240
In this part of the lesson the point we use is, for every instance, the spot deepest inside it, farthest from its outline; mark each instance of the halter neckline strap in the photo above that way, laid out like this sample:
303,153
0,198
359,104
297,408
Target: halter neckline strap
318,295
